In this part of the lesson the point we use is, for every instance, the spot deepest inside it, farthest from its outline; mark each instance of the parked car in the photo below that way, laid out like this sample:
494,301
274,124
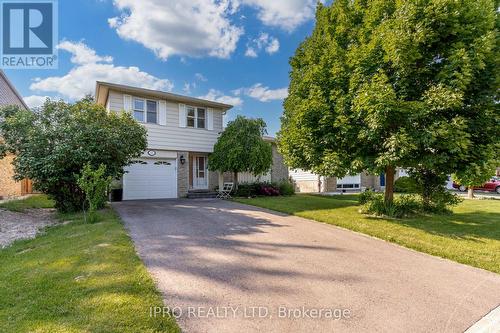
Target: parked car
493,185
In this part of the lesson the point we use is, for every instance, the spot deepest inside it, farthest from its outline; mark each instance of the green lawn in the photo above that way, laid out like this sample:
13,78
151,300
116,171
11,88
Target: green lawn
78,277
36,201
471,235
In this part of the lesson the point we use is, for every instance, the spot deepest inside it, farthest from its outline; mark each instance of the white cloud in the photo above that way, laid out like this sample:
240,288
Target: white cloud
285,14
218,96
273,46
82,54
81,79
188,87
181,27
262,93
250,52
200,77
262,42
35,101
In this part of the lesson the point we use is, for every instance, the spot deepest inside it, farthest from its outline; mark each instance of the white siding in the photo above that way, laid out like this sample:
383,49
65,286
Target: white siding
115,101
246,177
402,173
171,136
356,179
300,175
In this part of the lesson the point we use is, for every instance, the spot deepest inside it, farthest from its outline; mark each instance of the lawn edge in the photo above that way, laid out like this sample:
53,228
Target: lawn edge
369,236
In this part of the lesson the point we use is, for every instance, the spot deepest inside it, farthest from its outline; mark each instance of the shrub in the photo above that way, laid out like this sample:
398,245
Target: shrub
269,190
441,201
405,185
402,206
366,196
247,190
54,143
94,183
286,188
406,205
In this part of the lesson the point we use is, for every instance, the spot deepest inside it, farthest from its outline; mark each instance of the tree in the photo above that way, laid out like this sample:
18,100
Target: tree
476,174
385,84
51,145
241,148
94,185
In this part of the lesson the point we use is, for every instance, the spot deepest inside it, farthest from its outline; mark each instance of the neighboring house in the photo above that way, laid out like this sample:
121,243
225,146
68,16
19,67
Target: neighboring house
8,186
182,132
305,181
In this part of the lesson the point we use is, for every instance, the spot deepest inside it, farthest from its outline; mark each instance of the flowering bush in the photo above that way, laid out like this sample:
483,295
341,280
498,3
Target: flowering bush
248,190
269,190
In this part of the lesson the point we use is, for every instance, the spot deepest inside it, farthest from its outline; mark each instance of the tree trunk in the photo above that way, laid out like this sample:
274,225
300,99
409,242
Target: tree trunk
235,180
389,184
470,192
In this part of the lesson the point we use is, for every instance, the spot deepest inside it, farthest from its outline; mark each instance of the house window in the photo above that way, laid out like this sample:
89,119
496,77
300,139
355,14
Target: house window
151,112
145,110
196,117
200,121
139,109
191,116
347,186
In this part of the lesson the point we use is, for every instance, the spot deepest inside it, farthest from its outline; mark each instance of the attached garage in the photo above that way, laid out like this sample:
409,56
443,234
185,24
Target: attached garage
150,179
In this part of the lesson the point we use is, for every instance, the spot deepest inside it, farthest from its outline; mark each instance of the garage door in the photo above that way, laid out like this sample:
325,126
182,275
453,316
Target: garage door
150,179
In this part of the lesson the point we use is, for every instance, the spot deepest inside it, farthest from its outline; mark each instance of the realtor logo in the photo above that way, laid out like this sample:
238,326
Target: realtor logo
29,34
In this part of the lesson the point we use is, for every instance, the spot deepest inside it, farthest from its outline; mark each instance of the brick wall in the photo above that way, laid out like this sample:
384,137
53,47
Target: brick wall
279,171
182,175
8,187
213,180
331,184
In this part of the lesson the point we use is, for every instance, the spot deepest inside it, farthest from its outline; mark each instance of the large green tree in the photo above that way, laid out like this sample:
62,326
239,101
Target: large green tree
241,148
384,84
51,145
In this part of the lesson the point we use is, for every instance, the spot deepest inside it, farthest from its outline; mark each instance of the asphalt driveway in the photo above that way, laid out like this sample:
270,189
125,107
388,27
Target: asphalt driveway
228,267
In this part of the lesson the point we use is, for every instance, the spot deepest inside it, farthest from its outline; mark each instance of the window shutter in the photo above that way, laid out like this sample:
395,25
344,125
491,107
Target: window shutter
182,115
127,103
210,119
162,115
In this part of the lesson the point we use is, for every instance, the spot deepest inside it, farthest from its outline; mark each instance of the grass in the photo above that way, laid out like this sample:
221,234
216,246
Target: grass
78,277
471,235
35,201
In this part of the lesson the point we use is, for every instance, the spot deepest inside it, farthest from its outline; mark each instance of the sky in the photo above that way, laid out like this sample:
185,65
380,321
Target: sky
231,51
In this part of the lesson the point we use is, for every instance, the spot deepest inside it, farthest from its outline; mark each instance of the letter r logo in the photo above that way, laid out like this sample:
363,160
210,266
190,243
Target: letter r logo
27,27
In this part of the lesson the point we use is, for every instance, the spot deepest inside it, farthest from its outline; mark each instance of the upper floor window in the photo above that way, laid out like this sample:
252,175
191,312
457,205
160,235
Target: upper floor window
145,111
152,114
196,117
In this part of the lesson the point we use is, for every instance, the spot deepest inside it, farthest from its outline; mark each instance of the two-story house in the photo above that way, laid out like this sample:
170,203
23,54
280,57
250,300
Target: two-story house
182,131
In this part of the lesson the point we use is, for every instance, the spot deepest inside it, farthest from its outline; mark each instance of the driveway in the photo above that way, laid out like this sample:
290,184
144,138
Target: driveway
228,267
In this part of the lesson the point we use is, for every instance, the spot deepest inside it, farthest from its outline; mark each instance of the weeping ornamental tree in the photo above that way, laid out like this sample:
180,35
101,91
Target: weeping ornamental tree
385,84
241,148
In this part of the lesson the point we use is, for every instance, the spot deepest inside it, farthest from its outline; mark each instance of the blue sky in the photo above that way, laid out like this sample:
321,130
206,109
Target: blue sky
233,51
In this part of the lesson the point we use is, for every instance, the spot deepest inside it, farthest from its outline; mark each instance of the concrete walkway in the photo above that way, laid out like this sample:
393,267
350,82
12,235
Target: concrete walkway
228,267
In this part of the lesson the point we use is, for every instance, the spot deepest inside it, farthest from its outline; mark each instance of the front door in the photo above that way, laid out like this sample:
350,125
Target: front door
200,173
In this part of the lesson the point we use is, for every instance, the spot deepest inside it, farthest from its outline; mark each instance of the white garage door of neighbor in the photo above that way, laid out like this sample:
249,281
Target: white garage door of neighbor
150,179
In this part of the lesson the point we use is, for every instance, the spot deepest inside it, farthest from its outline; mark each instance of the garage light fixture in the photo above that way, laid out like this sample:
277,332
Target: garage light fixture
182,159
